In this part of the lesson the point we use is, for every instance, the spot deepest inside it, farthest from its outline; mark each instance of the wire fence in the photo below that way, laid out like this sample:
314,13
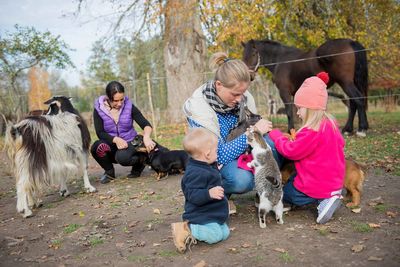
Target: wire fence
138,90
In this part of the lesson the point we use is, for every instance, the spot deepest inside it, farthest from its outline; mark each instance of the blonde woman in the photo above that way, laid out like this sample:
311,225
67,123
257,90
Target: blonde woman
216,106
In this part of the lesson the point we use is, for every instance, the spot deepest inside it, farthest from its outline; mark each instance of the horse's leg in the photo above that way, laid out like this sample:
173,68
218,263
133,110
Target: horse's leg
356,104
358,100
348,128
362,119
287,100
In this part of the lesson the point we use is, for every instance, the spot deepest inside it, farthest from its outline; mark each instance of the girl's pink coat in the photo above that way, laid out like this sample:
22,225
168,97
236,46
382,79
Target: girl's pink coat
318,157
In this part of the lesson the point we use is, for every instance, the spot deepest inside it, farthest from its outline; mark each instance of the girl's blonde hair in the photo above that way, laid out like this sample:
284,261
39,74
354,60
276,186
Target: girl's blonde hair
314,117
229,71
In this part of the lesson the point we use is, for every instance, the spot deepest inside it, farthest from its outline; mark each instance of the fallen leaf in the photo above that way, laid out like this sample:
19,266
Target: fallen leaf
356,210
376,201
156,211
233,250
374,225
373,258
357,248
13,241
246,245
119,245
281,250
133,224
81,214
201,263
156,244
391,214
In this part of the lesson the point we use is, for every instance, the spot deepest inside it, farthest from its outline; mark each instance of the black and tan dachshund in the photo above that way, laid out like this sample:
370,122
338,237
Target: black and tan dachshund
162,160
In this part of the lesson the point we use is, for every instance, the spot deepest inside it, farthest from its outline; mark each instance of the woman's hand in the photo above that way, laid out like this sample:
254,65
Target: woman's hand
149,143
264,126
121,143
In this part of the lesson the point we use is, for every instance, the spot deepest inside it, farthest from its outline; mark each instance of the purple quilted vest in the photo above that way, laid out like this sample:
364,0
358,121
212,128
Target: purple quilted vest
124,128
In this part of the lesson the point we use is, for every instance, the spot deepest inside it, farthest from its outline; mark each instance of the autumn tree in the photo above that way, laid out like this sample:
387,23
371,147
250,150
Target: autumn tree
20,50
178,24
39,88
307,24
184,53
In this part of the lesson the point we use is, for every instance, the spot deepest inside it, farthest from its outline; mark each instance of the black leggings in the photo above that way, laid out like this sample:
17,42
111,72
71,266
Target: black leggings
106,154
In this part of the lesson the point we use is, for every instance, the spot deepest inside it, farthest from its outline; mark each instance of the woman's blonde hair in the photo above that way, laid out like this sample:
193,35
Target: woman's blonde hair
229,71
314,117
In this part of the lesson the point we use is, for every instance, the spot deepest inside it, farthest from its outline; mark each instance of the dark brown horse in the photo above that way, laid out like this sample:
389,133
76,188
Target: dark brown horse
345,61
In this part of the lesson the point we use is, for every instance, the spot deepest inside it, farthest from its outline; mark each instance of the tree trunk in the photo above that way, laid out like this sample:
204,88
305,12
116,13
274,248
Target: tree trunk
184,53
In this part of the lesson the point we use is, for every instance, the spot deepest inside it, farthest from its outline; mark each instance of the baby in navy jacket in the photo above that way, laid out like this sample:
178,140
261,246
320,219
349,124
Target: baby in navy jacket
206,207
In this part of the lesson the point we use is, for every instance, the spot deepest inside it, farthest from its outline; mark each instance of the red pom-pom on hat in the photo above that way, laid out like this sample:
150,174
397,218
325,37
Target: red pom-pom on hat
323,76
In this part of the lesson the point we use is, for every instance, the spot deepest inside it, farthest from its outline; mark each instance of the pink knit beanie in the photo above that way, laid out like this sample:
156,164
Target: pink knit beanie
312,93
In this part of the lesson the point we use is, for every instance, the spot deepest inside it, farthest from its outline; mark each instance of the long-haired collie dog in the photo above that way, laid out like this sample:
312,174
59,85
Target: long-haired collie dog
45,150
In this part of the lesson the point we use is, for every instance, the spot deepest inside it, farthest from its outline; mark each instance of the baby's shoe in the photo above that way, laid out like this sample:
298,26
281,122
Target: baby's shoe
183,238
327,208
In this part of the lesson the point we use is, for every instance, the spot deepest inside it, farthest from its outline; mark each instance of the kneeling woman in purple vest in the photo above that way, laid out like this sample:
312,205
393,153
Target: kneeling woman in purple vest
113,118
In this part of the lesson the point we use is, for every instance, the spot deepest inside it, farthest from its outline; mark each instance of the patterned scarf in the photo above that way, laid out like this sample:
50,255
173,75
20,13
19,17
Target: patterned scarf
215,102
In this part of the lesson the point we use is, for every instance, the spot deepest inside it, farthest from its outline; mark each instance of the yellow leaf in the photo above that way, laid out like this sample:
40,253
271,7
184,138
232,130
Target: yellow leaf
357,248
374,225
156,211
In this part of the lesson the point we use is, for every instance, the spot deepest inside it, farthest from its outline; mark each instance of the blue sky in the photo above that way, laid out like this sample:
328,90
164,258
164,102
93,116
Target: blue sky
55,16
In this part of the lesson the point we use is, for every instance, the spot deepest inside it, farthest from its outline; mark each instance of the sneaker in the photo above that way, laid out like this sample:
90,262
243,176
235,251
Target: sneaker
327,207
183,238
232,207
107,176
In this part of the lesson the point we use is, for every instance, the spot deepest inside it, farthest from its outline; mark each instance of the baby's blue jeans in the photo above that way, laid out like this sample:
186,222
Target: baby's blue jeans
210,233
236,180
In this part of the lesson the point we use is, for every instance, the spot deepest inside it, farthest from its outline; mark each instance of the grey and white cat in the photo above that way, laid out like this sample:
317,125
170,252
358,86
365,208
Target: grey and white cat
267,177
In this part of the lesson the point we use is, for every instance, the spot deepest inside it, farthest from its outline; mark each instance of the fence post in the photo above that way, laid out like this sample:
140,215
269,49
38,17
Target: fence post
151,106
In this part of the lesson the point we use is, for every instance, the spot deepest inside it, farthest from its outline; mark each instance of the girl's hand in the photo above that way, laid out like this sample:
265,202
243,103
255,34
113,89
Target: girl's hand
149,143
216,192
264,126
121,143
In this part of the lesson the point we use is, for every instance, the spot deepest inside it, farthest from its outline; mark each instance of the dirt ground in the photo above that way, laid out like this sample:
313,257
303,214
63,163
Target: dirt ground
127,223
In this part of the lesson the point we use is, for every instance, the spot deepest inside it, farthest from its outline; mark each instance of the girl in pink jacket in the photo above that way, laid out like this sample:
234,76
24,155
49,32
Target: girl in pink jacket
317,151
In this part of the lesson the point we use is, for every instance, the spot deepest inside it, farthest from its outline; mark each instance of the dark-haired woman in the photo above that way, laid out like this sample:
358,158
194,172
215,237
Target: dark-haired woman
113,118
